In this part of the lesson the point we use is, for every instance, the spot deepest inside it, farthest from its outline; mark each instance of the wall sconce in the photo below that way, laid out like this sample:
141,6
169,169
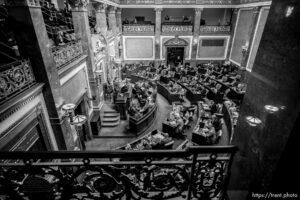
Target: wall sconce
77,120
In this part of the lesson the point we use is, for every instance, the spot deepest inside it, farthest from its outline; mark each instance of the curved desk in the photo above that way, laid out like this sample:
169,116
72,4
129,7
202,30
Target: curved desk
171,97
228,119
141,124
190,95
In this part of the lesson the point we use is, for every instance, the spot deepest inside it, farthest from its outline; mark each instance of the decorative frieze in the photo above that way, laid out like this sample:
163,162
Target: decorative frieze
35,3
177,28
138,28
65,54
14,78
215,29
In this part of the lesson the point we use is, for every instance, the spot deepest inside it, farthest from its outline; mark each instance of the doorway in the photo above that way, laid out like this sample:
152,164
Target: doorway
175,55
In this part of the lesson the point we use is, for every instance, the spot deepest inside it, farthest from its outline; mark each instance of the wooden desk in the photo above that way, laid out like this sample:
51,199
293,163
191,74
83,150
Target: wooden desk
141,124
171,97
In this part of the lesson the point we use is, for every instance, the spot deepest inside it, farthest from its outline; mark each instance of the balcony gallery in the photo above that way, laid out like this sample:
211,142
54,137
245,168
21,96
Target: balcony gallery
143,99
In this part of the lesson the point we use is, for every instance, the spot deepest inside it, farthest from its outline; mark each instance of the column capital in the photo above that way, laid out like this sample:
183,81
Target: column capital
99,7
119,10
158,10
111,9
78,4
29,3
198,10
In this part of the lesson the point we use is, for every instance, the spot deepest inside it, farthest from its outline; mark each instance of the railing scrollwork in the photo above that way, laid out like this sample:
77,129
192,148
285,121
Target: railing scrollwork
14,78
67,53
198,172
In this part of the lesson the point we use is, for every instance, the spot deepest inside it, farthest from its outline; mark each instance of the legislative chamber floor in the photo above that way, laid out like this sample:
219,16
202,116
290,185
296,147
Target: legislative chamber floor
114,137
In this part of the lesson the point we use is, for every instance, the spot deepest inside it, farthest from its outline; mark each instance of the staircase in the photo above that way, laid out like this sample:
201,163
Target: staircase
110,118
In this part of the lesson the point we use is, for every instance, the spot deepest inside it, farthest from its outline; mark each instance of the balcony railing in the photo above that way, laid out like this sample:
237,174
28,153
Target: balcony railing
15,78
190,2
177,29
67,53
138,28
215,29
195,173
139,2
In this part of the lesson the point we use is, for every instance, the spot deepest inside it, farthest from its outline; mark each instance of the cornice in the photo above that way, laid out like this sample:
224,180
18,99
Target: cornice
21,100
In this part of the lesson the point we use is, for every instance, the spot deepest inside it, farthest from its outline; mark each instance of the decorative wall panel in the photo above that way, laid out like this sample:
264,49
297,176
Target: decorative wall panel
212,47
138,47
241,35
75,86
258,33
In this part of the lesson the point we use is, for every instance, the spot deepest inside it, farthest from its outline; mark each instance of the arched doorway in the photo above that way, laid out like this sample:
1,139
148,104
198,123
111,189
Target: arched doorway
175,50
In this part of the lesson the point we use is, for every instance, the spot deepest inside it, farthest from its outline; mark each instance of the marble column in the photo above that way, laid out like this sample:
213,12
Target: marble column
197,20
254,22
82,31
112,22
157,32
267,157
233,24
119,19
101,21
33,42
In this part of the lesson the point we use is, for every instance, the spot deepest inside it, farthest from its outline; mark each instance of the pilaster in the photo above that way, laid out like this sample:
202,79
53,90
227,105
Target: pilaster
157,32
197,19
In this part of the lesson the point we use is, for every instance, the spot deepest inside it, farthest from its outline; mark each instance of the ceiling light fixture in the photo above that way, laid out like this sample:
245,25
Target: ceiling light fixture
253,121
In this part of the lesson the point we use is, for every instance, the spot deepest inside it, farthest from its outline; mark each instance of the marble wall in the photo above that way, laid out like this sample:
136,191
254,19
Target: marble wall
274,81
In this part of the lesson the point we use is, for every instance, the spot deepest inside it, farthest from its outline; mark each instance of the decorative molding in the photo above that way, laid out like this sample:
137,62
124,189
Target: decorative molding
146,37
11,107
29,3
215,29
177,29
15,78
135,28
78,4
67,53
176,42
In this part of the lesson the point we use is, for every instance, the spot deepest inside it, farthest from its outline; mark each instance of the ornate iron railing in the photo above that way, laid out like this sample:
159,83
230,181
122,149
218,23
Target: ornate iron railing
137,2
15,78
177,29
138,28
67,53
190,2
215,29
195,173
